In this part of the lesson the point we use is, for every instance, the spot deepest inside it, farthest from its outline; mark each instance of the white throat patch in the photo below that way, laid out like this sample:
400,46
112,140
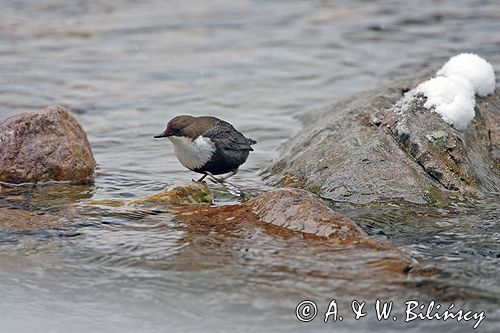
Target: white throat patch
193,154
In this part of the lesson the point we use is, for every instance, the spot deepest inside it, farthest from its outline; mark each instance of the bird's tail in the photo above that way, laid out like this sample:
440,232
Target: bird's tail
251,141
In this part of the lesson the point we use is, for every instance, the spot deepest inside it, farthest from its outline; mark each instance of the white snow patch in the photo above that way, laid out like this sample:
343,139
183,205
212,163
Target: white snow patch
452,93
472,67
452,101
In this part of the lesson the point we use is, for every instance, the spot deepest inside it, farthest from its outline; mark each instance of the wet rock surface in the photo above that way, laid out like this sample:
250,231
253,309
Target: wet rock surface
179,195
191,193
370,148
304,212
42,146
22,220
286,212
290,209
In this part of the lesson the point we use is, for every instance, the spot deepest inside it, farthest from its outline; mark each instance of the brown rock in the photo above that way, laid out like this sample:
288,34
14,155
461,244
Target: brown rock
290,209
21,220
285,212
42,146
302,211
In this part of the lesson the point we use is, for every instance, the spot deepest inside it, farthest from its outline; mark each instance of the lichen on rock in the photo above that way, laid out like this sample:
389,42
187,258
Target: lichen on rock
178,195
191,193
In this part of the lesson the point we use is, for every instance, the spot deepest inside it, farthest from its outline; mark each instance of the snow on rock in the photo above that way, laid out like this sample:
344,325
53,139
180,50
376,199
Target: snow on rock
452,93
452,101
472,67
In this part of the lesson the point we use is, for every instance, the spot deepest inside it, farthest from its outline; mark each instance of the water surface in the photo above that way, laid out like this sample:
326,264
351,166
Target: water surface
125,67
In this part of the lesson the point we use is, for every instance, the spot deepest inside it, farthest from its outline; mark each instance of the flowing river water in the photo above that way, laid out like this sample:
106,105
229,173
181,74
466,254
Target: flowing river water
125,67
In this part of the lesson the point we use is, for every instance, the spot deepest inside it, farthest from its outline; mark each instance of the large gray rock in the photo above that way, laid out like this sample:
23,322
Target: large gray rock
360,150
42,146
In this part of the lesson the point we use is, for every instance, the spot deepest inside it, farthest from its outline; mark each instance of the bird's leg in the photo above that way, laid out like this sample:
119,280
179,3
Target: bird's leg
221,180
232,173
213,178
201,179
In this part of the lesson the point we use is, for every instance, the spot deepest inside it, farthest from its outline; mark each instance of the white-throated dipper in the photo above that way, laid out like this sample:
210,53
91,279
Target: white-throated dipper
208,145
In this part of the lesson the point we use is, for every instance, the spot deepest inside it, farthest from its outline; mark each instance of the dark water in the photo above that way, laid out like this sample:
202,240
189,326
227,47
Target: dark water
126,67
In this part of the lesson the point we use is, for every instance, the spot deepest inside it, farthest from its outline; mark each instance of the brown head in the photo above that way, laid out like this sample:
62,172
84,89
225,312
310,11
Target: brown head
187,126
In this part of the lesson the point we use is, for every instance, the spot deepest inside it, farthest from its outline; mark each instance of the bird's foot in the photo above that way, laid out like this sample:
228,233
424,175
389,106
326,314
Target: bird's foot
214,179
221,180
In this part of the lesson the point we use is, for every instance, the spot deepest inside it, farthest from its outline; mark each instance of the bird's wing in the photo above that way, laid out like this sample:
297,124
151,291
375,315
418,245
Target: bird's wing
225,136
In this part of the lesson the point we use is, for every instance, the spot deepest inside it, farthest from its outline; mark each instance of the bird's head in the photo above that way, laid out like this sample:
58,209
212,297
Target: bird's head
187,126
177,126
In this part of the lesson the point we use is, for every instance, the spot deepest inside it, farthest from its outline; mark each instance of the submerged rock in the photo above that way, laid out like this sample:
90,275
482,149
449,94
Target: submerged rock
366,148
22,220
42,146
289,211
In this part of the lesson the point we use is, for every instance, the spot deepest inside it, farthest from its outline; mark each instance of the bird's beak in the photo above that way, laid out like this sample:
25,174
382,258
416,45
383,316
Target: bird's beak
163,135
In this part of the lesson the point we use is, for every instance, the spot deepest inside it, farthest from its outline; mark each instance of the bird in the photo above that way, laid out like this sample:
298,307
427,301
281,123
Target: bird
208,145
